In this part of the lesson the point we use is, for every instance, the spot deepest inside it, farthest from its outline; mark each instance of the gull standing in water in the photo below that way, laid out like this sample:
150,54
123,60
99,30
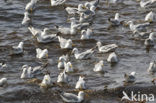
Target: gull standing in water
72,98
106,48
84,55
86,34
2,66
99,67
42,36
17,49
152,67
3,81
41,54
31,5
72,10
112,58
62,60
130,78
145,4
45,38
67,30
46,82
68,67
149,42
57,2
150,17
138,27
81,84
65,43
27,72
62,77
115,21
26,20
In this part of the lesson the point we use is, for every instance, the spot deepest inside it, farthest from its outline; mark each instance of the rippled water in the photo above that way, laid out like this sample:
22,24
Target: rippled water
132,53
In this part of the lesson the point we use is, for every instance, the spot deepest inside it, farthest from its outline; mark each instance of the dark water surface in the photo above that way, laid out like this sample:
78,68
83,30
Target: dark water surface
132,53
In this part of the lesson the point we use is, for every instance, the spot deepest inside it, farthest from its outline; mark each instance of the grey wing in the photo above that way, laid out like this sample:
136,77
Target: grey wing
49,37
69,97
86,54
59,2
95,3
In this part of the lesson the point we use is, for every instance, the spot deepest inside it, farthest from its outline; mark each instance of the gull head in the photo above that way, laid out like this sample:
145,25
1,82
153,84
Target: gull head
21,45
81,95
75,51
24,66
81,7
117,16
101,62
152,35
83,32
99,44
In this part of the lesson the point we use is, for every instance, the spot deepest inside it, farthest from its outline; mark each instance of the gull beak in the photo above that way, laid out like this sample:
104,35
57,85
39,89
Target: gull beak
58,61
71,66
102,64
84,7
47,55
68,20
73,45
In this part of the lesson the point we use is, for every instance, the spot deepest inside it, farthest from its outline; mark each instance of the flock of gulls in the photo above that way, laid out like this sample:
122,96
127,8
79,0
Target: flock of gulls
86,13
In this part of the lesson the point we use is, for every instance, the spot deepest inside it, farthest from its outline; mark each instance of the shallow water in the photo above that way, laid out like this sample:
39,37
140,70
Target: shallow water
132,53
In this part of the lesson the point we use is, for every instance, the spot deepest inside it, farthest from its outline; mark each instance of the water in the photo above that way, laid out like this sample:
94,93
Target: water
132,53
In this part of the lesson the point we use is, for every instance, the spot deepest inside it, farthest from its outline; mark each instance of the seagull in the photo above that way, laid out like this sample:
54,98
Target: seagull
84,55
72,98
106,48
18,49
27,72
99,67
3,81
65,43
62,77
26,20
31,5
152,67
78,26
115,21
2,66
85,18
86,34
112,58
81,84
67,30
149,42
72,10
150,17
138,27
45,38
68,67
62,59
130,78
41,54
145,4
46,82
57,2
